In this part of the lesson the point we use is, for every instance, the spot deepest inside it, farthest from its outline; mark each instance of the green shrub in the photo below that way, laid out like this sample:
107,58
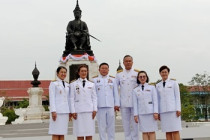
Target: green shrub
46,107
10,113
23,104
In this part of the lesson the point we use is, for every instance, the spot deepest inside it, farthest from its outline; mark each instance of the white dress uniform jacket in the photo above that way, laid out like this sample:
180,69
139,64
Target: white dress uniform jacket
127,80
83,99
169,97
145,102
107,91
59,97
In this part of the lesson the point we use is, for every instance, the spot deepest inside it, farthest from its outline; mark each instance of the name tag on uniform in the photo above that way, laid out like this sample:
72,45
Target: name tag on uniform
149,102
147,90
133,76
89,87
77,101
169,87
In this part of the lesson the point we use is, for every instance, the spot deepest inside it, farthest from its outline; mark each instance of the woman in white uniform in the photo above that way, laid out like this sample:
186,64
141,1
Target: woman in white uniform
145,104
83,105
169,105
59,105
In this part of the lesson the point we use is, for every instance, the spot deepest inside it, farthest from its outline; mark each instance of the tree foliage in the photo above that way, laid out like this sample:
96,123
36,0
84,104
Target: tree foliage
201,86
188,109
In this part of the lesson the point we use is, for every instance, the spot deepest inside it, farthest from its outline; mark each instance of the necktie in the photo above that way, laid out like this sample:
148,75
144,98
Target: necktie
83,83
142,87
164,83
63,83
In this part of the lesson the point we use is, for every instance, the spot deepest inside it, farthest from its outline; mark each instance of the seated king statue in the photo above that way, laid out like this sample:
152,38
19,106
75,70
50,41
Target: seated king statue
77,36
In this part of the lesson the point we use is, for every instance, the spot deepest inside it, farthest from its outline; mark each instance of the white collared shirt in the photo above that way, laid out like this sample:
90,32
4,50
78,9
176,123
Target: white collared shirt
168,96
107,91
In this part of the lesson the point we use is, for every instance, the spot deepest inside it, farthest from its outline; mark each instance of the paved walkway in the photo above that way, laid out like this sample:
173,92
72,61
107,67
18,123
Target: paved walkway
39,132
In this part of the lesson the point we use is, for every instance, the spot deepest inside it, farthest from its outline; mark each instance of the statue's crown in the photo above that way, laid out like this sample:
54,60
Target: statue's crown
77,8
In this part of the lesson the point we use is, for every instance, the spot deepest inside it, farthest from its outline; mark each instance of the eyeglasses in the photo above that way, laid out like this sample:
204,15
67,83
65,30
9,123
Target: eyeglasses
141,77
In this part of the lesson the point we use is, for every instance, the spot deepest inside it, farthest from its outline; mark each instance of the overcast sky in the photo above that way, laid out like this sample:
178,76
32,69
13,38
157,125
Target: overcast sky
155,32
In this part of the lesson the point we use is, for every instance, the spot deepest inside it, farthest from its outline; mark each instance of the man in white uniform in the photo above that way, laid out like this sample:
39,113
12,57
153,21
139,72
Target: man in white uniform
108,102
127,80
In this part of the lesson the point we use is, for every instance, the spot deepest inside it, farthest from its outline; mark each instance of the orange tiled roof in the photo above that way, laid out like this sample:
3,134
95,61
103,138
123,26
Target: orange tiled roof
17,89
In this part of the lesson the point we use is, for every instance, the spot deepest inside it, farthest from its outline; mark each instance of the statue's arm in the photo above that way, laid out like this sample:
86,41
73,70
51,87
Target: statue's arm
85,28
69,28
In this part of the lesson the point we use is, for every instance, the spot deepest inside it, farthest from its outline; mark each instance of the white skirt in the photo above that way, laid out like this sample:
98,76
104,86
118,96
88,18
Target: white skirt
170,122
60,125
147,123
84,125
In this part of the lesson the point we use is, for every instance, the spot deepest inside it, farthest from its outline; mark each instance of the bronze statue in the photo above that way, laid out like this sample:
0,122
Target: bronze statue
77,36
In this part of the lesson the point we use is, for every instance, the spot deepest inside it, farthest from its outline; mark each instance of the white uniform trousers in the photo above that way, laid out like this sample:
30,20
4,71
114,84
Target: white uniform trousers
129,125
106,122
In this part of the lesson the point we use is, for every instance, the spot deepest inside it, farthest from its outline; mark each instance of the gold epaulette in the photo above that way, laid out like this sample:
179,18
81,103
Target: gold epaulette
111,76
119,71
173,79
153,84
158,81
91,81
136,70
53,80
95,76
67,82
73,80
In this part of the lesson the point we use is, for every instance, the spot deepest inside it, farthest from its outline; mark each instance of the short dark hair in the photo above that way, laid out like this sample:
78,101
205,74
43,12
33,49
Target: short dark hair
138,82
59,68
164,67
103,64
127,56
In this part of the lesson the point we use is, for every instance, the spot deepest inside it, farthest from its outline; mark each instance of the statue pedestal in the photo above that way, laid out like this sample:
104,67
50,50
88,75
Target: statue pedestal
3,119
35,110
21,112
72,68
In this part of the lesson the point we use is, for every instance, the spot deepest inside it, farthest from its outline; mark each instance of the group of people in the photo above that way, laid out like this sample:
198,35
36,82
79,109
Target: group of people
140,103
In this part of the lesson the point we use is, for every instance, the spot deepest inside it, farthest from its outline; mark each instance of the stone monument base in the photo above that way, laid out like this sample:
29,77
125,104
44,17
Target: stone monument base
35,110
3,119
72,68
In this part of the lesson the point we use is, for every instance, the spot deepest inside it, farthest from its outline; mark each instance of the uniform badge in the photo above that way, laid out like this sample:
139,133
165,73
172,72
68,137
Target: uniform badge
110,81
89,87
60,91
150,102
147,90
77,89
98,88
169,87
98,80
